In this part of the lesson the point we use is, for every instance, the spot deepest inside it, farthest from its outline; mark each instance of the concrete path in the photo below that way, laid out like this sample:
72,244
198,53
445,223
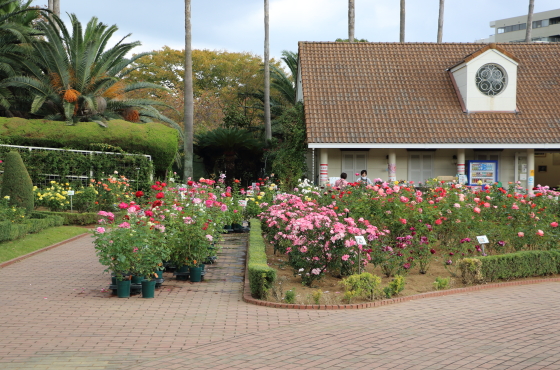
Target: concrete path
55,313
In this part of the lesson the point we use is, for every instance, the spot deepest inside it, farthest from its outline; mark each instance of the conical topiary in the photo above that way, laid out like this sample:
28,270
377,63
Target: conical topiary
16,182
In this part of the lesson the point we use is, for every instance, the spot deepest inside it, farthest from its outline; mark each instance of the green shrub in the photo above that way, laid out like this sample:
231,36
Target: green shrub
396,285
520,265
471,270
11,231
365,285
290,296
16,182
441,283
83,219
317,296
261,276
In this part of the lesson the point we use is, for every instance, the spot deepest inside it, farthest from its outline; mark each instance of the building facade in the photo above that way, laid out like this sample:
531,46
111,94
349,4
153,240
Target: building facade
546,28
417,111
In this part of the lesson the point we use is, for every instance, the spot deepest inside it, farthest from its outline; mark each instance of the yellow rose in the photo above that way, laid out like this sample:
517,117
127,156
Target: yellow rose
259,197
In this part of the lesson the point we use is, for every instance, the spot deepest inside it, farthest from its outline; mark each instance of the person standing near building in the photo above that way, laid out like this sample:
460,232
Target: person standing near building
364,179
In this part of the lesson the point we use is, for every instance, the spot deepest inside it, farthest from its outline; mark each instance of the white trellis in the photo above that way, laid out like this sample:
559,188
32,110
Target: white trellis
81,176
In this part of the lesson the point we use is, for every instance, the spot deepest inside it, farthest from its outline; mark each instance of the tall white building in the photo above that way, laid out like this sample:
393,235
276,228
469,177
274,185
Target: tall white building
546,28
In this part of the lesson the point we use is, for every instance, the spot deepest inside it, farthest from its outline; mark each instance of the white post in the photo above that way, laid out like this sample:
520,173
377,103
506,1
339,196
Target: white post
531,169
324,167
313,166
461,164
392,165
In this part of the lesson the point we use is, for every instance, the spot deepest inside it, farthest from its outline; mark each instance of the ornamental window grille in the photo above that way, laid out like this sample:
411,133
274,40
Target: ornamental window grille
491,79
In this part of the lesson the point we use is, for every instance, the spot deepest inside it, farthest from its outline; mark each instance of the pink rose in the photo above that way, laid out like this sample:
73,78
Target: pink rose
100,230
345,257
540,232
476,210
520,234
554,224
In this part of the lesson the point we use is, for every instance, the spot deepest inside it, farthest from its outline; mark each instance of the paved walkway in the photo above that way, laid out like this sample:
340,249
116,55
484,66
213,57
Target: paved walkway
56,314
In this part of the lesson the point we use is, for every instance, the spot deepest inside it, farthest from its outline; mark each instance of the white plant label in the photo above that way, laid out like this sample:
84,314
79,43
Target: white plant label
242,203
70,192
360,240
482,239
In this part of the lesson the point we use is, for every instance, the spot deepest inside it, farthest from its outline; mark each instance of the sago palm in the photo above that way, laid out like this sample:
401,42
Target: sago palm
74,76
16,32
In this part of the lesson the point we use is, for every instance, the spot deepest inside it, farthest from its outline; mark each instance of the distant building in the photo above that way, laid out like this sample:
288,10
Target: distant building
546,28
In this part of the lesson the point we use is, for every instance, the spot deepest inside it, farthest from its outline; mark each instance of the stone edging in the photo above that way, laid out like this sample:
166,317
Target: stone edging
438,293
20,258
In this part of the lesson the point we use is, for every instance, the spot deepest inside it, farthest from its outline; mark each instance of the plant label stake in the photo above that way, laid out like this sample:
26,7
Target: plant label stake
71,194
482,239
361,241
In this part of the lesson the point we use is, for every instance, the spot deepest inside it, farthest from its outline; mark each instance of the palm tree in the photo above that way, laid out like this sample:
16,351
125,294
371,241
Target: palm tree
440,22
283,83
54,6
529,21
351,19
267,123
188,170
73,77
403,9
16,31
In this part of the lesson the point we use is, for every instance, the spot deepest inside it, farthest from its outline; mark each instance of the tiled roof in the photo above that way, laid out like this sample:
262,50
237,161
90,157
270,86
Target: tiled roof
402,93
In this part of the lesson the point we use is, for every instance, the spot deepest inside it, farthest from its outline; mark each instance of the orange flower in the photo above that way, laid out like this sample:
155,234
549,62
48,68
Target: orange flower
71,95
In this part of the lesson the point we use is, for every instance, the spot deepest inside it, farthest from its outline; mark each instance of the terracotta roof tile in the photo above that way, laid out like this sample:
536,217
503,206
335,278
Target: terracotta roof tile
401,93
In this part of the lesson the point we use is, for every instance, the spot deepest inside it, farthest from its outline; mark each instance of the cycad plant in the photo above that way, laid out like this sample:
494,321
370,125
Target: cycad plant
74,76
16,31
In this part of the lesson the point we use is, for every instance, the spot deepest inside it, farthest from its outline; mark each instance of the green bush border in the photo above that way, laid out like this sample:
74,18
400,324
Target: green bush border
82,219
11,231
517,265
261,276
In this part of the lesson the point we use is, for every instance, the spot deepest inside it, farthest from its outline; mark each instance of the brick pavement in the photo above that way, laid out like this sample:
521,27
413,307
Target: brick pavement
56,315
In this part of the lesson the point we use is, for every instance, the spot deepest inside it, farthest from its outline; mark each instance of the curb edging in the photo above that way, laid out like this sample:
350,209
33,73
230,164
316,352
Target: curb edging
25,256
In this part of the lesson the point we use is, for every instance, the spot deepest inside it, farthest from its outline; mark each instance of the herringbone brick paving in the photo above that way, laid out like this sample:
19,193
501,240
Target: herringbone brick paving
56,314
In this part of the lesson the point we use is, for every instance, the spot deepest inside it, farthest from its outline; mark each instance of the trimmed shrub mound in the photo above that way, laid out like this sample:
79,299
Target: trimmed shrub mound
261,276
155,139
17,183
82,219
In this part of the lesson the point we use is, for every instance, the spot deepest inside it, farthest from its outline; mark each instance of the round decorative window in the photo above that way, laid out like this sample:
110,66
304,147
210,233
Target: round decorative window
491,79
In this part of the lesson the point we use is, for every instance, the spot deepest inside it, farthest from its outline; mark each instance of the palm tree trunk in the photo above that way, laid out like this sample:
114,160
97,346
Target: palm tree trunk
351,20
403,9
529,21
56,7
189,101
267,123
440,22
50,5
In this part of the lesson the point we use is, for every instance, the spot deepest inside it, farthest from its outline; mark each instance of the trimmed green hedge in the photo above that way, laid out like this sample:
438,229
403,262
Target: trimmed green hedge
155,139
518,265
11,231
88,218
261,276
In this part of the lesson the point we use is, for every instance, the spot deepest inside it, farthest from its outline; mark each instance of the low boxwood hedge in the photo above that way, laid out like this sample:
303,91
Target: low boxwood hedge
11,231
261,276
514,265
89,218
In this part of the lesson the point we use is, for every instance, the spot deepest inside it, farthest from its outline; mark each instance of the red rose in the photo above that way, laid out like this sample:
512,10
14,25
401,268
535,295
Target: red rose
432,251
139,194
190,183
160,195
438,222
163,184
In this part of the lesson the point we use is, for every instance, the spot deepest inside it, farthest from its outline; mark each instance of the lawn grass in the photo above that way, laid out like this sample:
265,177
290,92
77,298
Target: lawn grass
33,242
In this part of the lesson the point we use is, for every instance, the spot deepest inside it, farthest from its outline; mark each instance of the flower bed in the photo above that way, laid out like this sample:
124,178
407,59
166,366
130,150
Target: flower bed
406,231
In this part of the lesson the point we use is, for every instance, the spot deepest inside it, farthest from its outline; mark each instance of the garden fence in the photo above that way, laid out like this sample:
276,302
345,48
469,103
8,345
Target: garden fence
79,166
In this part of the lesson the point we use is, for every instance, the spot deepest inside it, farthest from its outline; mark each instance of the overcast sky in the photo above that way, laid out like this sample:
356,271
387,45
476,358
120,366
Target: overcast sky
238,25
